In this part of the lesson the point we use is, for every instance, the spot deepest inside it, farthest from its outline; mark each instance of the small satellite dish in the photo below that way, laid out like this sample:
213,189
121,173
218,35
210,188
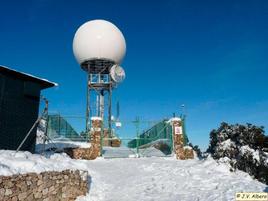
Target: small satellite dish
117,73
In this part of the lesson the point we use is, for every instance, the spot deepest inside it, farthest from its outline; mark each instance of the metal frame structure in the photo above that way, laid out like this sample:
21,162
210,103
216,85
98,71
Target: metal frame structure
99,82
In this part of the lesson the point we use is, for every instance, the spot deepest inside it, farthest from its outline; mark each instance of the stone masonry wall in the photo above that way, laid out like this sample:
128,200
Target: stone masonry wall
95,136
109,140
95,140
181,152
46,186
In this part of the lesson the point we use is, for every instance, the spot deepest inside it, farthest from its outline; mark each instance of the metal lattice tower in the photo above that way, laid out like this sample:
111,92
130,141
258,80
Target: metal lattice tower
99,82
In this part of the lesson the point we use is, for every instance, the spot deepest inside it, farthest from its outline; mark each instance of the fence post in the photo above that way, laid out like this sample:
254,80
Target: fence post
178,138
101,138
59,124
170,133
185,139
137,135
96,136
181,152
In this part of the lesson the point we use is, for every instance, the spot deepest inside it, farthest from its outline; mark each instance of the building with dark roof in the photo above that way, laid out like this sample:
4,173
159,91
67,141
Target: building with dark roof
19,107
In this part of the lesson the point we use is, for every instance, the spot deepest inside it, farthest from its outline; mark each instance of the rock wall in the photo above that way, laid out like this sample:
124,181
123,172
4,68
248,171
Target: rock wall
181,152
105,140
110,141
95,136
46,186
115,142
81,153
95,140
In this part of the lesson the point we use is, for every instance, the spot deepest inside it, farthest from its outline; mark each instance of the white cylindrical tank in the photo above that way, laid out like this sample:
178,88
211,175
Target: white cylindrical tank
99,39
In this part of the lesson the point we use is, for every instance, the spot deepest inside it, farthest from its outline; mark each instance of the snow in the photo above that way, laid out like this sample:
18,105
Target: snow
266,155
40,131
118,152
125,152
255,153
227,144
187,147
132,179
174,119
59,144
166,179
96,118
23,162
151,151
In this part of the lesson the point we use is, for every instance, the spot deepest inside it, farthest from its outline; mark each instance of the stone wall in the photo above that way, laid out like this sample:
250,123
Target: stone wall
95,140
95,136
82,153
180,150
46,186
110,141
106,138
115,142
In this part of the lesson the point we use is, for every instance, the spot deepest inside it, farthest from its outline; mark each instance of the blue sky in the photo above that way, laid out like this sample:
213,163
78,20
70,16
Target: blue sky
211,56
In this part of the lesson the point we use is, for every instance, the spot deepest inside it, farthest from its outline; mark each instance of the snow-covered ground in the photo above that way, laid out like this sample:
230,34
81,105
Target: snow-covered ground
142,179
166,179
60,144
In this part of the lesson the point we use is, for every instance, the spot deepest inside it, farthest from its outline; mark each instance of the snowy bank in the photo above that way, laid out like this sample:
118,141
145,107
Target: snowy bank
166,179
25,162
132,179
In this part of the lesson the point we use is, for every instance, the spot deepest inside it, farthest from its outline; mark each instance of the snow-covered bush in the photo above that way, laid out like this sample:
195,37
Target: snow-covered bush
245,146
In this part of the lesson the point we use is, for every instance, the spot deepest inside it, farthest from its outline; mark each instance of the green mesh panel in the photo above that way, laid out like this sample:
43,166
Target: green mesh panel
59,127
160,131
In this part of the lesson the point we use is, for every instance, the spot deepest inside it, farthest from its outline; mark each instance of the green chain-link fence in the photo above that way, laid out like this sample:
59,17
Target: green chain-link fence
131,138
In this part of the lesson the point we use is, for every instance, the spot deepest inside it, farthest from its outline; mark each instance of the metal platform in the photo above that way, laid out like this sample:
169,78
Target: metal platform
97,66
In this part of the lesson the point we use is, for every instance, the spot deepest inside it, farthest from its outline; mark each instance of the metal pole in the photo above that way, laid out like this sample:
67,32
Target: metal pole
102,104
117,111
137,135
34,125
101,142
110,111
185,139
183,109
46,126
97,105
88,111
87,101
59,124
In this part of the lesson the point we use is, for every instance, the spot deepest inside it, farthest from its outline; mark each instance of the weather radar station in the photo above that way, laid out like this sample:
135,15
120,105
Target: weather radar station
99,47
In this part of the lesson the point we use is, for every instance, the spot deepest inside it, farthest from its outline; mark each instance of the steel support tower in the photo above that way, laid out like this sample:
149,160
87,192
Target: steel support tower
99,87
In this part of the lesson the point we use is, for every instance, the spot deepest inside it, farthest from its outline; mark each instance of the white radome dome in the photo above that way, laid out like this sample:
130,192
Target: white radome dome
99,39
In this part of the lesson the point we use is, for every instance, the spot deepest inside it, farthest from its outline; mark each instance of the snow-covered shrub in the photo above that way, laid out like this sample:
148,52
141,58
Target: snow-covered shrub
244,145
226,148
